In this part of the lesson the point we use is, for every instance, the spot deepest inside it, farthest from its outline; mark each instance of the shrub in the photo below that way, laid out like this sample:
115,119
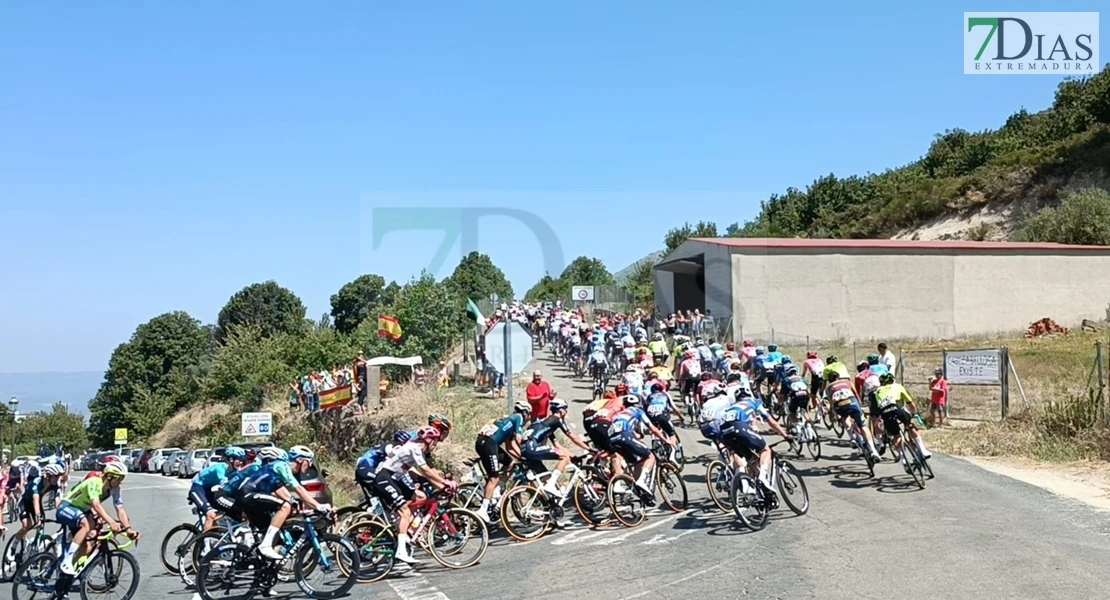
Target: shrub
1083,217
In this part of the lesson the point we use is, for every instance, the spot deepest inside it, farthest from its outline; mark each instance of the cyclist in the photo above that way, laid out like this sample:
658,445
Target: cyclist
15,479
227,496
796,391
265,496
747,351
705,354
395,487
738,435
598,416
689,372
844,401
813,368
598,363
634,380
660,407
622,434
876,366
833,365
82,507
541,445
205,483
712,413
367,465
893,399
488,445
658,349
30,505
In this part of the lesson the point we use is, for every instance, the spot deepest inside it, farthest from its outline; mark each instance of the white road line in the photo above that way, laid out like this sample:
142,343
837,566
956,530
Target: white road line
688,577
621,538
577,536
417,589
659,539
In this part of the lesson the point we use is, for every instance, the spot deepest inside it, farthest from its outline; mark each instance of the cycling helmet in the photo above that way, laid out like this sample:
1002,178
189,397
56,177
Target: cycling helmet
791,370
886,378
631,400
833,376
657,336
523,407
622,389
748,343
862,366
656,388
235,452
401,437
772,348
299,452
760,351
872,359
831,359
429,434
270,453
786,360
53,470
17,462
557,405
811,354
440,422
730,346
111,458
630,369
734,376
115,469
706,375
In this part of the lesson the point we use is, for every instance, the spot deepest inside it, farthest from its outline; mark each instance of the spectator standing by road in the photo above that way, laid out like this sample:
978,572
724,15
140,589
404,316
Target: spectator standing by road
886,357
360,380
539,395
294,396
938,405
708,325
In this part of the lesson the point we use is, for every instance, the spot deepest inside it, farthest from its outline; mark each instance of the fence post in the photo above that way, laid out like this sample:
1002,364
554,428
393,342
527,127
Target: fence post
901,367
807,343
1101,380
772,335
855,360
1004,375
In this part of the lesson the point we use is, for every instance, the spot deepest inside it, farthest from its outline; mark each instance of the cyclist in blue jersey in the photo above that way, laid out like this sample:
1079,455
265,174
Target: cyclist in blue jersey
268,492
739,436
30,505
659,407
491,456
773,354
226,497
623,437
205,483
366,468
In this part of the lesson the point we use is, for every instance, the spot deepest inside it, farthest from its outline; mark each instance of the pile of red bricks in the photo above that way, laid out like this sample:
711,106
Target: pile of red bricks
1044,326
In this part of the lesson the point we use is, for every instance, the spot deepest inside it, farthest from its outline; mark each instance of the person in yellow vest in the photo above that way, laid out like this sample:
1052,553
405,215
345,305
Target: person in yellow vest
383,386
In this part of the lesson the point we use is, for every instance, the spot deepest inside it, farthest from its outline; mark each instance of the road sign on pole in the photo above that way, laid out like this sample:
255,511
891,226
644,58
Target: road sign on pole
582,293
257,424
121,436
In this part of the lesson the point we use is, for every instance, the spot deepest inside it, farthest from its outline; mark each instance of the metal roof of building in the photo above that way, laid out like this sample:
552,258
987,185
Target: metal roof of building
895,244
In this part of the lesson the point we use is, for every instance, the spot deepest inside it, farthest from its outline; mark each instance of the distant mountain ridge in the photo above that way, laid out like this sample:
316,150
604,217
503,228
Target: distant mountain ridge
39,391
621,277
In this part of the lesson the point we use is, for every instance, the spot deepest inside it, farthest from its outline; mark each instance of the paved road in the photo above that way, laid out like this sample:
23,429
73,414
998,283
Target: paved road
970,534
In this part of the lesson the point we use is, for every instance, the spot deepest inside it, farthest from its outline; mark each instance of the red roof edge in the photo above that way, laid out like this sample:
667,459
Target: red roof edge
895,244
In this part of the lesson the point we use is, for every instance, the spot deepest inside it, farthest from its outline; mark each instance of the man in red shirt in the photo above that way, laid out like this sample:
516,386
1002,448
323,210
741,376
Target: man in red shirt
539,394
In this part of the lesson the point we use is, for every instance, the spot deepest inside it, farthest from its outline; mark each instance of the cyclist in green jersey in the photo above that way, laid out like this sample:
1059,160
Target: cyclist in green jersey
82,506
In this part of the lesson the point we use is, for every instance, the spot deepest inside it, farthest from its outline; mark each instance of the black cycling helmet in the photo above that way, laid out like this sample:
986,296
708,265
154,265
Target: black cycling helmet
833,376
872,359
862,366
656,388
734,376
706,376
886,378
831,359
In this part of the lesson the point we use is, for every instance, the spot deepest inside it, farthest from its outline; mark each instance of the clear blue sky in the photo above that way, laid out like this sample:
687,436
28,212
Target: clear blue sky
161,155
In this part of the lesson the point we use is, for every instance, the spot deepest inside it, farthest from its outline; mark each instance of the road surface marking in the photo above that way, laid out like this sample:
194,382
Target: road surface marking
576,536
621,538
688,577
659,539
417,589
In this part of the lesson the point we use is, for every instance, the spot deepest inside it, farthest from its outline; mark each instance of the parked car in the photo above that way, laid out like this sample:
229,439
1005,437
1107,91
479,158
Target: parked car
215,456
132,459
158,459
172,462
315,482
144,460
194,461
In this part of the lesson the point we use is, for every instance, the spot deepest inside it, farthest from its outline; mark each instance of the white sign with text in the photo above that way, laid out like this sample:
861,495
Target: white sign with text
973,366
258,424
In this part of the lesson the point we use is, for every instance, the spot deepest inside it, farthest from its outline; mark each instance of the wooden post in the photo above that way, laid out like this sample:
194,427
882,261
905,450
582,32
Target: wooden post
1099,358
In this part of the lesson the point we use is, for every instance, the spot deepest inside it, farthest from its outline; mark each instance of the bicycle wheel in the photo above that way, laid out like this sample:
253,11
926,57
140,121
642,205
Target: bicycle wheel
792,488
226,570
470,496
928,469
12,557
108,572
671,487
590,500
621,494
827,418
174,543
914,458
679,457
376,544
717,478
458,539
813,443
194,550
331,564
36,576
869,459
524,513
748,503
837,427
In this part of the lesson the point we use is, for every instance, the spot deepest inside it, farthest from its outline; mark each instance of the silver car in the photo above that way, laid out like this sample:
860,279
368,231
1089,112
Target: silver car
158,460
171,464
194,462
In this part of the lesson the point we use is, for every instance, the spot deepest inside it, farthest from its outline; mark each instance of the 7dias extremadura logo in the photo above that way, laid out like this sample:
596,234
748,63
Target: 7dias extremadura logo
1039,43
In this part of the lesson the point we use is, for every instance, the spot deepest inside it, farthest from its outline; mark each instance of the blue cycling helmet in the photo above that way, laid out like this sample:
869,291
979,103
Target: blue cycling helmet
235,452
760,351
786,360
402,437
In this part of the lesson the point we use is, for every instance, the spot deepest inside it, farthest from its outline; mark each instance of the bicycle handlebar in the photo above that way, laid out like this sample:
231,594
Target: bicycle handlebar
111,536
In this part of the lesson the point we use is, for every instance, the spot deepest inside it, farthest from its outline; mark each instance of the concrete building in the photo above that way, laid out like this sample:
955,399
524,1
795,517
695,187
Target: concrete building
868,289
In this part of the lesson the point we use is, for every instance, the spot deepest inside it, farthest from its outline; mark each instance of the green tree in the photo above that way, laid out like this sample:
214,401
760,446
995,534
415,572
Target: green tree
428,312
548,289
586,271
59,426
148,412
641,282
1083,217
476,277
247,366
677,236
271,307
168,341
359,300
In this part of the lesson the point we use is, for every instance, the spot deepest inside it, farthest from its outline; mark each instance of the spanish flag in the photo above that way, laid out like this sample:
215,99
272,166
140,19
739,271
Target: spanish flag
335,397
389,327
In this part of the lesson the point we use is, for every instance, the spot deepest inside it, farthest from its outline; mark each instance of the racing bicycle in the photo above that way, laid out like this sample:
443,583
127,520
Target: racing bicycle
664,481
104,570
749,494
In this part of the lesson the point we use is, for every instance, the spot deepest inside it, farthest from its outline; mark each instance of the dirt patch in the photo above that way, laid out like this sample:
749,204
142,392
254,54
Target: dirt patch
1088,482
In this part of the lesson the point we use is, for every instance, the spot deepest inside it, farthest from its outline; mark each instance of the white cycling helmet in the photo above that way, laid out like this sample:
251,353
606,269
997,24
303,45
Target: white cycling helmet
115,468
53,470
298,452
272,453
17,462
